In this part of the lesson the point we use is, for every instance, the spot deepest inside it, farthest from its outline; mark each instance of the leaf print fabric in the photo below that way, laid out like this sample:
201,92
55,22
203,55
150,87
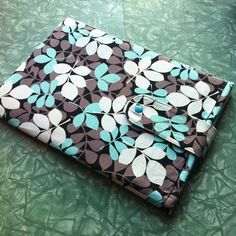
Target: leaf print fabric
78,91
171,124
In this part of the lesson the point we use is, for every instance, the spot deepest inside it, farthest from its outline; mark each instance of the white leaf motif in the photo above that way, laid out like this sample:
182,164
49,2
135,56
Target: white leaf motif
21,67
127,156
108,123
202,126
10,103
104,52
69,22
2,111
81,42
44,136
105,104
21,92
144,140
69,91
121,119
91,48
209,104
29,128
142,82
155,153
78,80
139,165
194,107
61,79
82,70
105,40
189,91
178,99
144,63
55,116
149,111
96,33
203,88
153,75
41,121
58,136
119,103
5,88
62,68
162,66
156,173
131,68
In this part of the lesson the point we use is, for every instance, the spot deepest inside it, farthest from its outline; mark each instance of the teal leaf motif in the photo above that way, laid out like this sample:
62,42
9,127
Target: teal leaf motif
78,120
67,147
176,126
102,85
171,154
138,52
138,49
116,140
88,117
14,78
207,116
191,161
156,198
93,108
158,94
183,71
51,52
183,175
105,79
74,31
68,142
49,59
105,136
227,89
71,151
101,70
43,94
131,55
92,121
113,152
111,78
42,59
170,150
14,122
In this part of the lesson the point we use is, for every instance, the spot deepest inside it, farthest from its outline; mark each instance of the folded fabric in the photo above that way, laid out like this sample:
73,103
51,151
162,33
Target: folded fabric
138,117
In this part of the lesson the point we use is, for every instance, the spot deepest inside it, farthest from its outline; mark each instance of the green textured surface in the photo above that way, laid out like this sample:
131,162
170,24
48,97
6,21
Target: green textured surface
44,193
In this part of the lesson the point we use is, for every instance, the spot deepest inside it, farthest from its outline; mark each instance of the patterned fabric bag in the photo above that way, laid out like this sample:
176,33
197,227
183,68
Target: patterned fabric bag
138,117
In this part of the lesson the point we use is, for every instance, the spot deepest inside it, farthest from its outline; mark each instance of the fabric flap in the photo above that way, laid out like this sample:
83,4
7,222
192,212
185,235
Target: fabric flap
174,125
